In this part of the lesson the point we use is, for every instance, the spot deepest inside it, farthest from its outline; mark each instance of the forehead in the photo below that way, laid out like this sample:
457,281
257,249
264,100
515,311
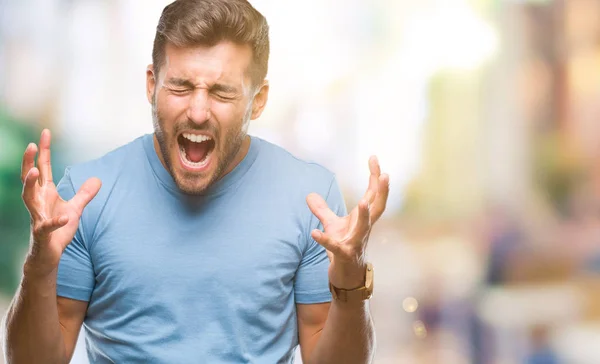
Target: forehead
223,62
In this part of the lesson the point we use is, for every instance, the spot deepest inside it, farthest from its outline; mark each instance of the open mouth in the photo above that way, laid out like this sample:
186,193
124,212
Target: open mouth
195,150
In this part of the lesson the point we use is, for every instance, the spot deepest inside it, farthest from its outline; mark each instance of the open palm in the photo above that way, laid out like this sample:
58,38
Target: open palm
54,221
346,237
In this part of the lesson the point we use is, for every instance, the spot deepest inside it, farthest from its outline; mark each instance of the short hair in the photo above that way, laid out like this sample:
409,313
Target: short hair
188,23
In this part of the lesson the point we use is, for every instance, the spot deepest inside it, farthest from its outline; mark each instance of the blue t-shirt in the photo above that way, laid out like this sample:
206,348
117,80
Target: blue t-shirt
215,278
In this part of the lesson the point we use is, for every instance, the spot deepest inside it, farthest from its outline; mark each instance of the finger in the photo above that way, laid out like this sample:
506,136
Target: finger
363,222
375,171
86,193
369,196
49,225
28,160
319,207
378,206
44,158
29,188
326,242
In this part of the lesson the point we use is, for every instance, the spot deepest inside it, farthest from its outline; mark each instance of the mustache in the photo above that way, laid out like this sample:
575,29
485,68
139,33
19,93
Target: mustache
189,125
208,126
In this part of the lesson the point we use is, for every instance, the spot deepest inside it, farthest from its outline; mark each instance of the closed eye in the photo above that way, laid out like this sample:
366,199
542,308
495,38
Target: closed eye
225,97
224,92
180,91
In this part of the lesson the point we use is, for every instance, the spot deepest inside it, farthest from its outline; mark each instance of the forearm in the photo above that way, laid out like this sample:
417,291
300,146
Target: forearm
348,336
32,332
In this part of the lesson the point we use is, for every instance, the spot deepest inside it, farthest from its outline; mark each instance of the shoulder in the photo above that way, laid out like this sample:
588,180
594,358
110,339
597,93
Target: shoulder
116,165
284,167
109,166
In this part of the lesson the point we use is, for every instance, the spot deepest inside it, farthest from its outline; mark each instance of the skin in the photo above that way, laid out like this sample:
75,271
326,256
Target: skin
203,90
343,332
39,327
206,90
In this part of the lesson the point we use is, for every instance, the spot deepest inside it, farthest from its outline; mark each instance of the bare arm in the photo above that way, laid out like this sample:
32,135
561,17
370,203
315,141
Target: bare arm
344,333
39,327
336,333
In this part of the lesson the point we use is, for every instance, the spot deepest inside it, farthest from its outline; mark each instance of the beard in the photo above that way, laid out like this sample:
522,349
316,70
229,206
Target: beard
228,142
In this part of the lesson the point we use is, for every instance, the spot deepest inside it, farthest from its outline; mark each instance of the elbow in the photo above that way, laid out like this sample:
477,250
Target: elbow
5,337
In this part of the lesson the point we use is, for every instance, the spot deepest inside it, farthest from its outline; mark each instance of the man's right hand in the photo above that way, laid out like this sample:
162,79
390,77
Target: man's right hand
54,221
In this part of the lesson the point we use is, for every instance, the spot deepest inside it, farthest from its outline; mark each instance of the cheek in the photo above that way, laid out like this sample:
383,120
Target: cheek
171,107
227,114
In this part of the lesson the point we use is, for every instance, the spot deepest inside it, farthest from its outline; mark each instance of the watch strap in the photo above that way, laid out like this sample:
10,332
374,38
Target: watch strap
358,294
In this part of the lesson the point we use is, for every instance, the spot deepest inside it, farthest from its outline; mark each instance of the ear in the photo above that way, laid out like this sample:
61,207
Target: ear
150,83
260,100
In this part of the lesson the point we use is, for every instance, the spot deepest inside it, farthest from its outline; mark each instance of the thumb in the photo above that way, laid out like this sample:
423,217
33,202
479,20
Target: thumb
326,242
318,206
86,193
45,228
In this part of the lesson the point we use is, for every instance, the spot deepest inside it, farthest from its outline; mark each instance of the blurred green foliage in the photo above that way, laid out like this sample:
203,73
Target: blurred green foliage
14,218
15,134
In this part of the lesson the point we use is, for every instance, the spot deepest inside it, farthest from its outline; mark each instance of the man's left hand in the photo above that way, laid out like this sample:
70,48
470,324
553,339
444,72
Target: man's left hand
345,238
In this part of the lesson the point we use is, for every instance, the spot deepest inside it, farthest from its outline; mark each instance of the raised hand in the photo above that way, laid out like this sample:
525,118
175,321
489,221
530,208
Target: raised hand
345,238
54,221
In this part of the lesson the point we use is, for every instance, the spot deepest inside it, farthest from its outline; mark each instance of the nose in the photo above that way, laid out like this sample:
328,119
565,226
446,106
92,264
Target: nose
199,108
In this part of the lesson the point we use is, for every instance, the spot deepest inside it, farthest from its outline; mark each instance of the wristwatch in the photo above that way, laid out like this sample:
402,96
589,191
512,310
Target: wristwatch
358,294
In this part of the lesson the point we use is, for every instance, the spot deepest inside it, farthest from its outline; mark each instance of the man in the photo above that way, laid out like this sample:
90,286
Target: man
204,243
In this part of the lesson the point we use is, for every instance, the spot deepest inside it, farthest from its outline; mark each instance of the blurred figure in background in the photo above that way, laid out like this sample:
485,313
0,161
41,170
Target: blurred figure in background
542,351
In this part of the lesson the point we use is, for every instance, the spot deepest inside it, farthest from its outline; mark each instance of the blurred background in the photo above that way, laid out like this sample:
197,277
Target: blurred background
485,113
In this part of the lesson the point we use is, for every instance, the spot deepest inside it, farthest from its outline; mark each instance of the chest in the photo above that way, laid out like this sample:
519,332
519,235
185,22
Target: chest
211,249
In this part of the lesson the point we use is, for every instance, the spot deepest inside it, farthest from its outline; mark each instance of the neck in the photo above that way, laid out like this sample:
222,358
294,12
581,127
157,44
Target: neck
239,157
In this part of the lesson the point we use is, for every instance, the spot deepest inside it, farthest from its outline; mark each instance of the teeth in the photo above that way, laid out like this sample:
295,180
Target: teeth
196,138
194,164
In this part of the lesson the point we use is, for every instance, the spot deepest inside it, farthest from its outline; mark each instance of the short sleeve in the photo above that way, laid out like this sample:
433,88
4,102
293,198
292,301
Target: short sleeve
75,271
312,281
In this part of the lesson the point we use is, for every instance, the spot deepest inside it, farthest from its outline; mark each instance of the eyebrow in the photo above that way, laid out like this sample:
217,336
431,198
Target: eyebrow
180,82
218,87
